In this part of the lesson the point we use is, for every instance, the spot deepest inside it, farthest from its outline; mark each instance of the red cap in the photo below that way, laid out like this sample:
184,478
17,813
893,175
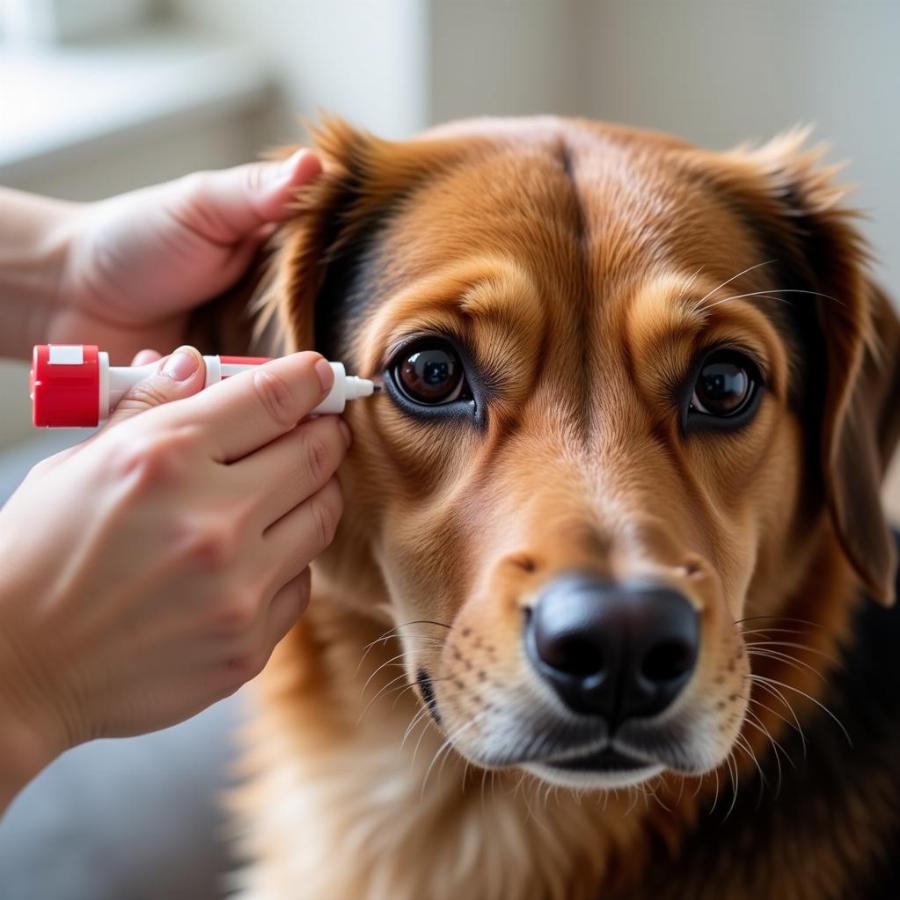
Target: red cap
65,385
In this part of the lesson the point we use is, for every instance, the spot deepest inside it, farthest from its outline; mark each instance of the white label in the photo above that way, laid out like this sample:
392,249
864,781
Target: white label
66,355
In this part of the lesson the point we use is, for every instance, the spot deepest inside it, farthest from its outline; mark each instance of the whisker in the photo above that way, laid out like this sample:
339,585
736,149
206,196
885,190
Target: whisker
716,796
766,294
394,630
789,619
447,746
447,704
775,746
743,744
796,646
787,660
764,706
733,773
779,696
775,631
719,287
401,677
378,669
812,699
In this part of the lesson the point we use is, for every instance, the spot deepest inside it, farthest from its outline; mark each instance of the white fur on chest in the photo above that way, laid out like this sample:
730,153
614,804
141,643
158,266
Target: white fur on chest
357,825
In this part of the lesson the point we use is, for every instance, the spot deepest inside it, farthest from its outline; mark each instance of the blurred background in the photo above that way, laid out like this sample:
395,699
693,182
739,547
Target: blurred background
100,96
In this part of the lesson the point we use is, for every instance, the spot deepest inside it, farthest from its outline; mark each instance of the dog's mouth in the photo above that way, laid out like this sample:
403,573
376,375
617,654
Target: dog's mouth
609,766
607,759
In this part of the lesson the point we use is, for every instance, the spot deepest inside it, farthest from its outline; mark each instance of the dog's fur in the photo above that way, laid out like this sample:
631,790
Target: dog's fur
583,267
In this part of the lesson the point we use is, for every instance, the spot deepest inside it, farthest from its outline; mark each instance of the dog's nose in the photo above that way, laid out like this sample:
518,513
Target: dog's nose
614,650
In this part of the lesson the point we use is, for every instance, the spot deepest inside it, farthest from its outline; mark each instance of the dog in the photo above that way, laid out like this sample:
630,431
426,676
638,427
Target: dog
609,611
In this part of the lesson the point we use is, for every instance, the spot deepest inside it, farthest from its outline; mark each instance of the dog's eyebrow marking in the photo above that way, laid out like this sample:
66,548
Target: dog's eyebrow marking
581,276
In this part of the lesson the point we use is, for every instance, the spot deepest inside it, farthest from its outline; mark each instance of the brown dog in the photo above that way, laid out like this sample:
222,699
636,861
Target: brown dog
593,624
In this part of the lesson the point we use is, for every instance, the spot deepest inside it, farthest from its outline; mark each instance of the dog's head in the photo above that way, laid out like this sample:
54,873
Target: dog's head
632,396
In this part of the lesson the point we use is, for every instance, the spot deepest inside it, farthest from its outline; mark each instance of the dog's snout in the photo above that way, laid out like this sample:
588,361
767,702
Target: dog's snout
615,650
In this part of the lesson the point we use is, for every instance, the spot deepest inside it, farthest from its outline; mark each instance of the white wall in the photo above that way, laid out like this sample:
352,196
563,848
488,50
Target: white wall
503,57
362,59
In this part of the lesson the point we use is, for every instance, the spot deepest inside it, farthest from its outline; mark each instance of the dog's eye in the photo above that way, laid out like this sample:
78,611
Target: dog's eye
430,373
726,385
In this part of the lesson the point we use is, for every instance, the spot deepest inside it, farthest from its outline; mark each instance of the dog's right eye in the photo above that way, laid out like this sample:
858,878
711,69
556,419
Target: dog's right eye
430,373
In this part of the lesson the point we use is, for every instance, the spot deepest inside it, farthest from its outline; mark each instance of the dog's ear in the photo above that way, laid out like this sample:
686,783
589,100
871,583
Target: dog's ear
317,255
797,206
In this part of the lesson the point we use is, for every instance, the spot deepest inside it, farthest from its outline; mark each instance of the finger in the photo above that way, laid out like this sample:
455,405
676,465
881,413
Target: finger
295,466
145,357
286,607
295,540
275,620
228,205
250,410
176,377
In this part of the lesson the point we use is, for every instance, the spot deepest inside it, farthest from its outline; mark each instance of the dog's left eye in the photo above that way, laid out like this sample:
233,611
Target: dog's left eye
726,387
430,373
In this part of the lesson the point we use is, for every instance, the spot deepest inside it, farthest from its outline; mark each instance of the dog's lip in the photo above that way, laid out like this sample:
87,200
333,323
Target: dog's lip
606,759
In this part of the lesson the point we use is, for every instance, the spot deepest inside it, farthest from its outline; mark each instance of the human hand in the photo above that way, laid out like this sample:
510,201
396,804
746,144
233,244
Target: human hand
134,265
151,570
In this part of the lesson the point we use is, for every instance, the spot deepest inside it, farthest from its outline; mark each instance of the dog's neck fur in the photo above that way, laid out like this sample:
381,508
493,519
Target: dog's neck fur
373,816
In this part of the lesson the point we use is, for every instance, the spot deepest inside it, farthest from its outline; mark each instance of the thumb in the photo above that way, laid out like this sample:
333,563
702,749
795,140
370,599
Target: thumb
229,205
173,378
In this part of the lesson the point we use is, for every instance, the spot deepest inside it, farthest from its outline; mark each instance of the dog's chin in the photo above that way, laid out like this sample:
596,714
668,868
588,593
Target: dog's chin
599,770
597,781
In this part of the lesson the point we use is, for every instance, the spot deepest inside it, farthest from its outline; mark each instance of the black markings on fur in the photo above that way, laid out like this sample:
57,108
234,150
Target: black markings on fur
423,679
580,279
347,292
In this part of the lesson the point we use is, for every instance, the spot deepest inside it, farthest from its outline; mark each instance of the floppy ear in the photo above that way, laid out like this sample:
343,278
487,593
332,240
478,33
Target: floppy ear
796,203
320,254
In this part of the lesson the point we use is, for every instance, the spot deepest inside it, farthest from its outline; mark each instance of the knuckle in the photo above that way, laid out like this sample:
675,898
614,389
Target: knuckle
276,397
242,667
152,459
248,665
238,613
210,545
327,506
145,395
145,460
317,459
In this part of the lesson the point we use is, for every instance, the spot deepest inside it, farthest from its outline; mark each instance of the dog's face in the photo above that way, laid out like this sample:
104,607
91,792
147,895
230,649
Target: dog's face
613,417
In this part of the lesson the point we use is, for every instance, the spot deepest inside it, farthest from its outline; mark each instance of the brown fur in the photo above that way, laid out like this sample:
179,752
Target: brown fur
583,265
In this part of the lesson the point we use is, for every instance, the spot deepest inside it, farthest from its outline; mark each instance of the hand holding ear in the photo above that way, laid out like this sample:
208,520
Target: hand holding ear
136,264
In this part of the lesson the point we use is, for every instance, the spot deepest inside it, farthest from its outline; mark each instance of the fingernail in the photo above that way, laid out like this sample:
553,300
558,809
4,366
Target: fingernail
181,365
325,374
345,431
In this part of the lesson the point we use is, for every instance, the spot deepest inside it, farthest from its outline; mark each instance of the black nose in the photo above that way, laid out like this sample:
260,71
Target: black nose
614,650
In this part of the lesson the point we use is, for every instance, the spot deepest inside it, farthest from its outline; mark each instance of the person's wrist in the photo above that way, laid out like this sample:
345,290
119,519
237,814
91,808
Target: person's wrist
33,260
30,737
24,753
70,222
